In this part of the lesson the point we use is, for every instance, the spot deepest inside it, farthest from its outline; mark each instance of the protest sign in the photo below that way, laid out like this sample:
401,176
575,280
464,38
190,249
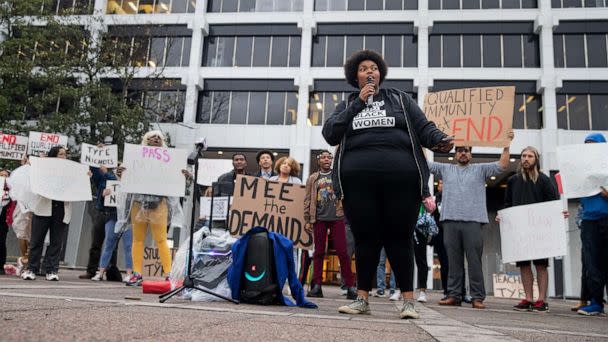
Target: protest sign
12,146
278,207
583,169
60,179
510,286
114,187
210,169
474,116
99,156
41,143
220,207
533,231
154,170
152,266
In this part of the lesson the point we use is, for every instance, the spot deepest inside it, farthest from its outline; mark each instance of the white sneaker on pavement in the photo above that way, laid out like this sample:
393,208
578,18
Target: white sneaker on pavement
98,276
359,306
408,310
52,277
28,275
422,297
396,296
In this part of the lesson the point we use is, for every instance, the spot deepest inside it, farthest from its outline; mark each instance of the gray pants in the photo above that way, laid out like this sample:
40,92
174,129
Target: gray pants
464,238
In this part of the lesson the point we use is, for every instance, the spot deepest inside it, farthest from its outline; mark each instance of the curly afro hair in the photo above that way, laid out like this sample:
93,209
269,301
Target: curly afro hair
351,67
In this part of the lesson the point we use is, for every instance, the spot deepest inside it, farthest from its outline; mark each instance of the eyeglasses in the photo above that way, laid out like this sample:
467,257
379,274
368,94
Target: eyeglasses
462,150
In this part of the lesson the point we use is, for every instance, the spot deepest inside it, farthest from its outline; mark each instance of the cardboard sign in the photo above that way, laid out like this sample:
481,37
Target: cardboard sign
114,187
510,286
220,207
474,116
210,169
279,207
99,156
12,146
583,169
60,179
152,266
533,231
41,143
154,170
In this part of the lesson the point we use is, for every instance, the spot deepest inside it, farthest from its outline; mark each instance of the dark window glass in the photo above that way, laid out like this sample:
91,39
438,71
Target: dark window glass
225,51
229,5
410,51
451,4
434,4
594,3
471,50
510,3
356,5
337,5
519,112
209,51
243,51
291,115
247,6
321,5
203,112
238,107
332,100
174,51
373,43
261,52
280,48
490,4
215,5
512,50
596,50
298,5
393,5
410,4
157,52
257,108
572,3
186,51
533,115
599,112
335,51
353,43
562,111
491,51
179,6
315,108
172,106
392,50
558,50
295,45
140,51
318,51
283,6
575,50
578,111
374,5
435,51
531,51
220,107
556,3
528,4
276,108
451,51
470,4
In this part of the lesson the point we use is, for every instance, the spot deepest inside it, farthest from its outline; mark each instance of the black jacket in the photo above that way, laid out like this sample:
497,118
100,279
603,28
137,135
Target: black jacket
422,132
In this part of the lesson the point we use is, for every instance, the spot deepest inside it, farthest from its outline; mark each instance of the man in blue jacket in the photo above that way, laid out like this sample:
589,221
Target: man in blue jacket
594,237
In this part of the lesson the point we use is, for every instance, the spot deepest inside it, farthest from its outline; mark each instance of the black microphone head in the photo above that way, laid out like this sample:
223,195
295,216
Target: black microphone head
370,79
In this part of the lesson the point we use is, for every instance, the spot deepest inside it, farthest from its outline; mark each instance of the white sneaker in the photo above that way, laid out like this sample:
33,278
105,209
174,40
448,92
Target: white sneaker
422,297
126,278
408,310
52,277
359,307
396,296
28,275
98,276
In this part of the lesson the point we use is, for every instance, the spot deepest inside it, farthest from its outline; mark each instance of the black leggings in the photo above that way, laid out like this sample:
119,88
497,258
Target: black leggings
382,209
421,263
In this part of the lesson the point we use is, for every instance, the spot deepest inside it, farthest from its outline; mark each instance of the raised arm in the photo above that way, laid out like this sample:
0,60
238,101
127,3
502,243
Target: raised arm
504,157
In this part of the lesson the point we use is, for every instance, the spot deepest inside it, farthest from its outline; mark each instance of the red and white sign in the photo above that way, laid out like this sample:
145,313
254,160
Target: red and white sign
41,143
12,146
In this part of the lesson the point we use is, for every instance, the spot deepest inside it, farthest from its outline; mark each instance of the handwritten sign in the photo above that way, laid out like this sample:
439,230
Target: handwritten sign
220,207
510,286
533,231
583,169
154,170
99,156
210,169
12,146
60,179
275,206
41,143
114,187
152,266
474,116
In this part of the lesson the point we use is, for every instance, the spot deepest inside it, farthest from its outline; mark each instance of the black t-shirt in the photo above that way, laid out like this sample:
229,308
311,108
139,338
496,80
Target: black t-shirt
521,192
377,139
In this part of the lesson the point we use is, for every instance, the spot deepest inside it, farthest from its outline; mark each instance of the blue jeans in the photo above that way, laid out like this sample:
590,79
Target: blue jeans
381,273
110,243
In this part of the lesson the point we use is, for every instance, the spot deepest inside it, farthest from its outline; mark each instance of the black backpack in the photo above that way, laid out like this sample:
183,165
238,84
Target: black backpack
258,282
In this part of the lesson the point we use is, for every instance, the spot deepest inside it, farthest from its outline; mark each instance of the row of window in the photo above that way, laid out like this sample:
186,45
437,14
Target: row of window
58,7
582,111
149,51
578,3
365,5
150,6
252,51
480,4
161,105
580,50
255,5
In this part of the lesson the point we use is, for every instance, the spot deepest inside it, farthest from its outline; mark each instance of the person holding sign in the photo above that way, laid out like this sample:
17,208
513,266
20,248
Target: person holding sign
381,173
463,212
287,170
529,186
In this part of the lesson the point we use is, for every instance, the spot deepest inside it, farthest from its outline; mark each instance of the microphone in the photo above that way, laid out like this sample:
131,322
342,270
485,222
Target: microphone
370,99
199,146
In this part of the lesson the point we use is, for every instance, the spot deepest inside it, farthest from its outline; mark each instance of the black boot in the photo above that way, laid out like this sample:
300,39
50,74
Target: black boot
315,291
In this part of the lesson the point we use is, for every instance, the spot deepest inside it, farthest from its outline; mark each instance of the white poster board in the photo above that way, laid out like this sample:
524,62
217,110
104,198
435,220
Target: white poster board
2,182
220,208
41,143
210,169
534,231
60,179
99,156
12,146
110,199
583,168
154,170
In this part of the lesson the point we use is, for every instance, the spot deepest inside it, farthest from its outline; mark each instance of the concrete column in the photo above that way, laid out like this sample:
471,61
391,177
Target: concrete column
200,28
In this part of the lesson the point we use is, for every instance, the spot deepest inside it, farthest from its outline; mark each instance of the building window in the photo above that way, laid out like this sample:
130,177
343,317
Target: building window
66,7
583,106
150,6
365,5
255,5
480,4
578,3
587,50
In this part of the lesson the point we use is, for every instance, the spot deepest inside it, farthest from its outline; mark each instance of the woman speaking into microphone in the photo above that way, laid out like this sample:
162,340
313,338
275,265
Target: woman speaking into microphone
382,173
